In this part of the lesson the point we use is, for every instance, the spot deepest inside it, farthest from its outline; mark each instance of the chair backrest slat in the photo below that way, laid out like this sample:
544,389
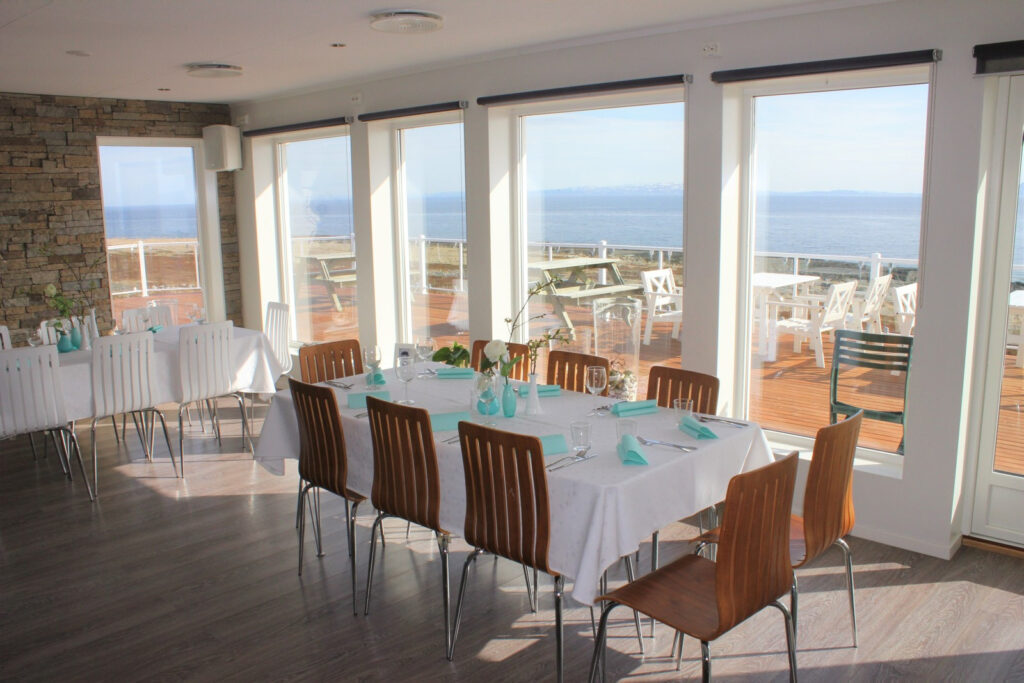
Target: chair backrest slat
122,373
277,326
852,349
568,369
31,397
665,383
507,508
520,370
837,303
204,365
329,360
753,567
322,455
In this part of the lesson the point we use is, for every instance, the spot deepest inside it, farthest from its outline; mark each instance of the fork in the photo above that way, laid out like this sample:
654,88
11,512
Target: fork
339,384
571,460
601,409
722,420
655,442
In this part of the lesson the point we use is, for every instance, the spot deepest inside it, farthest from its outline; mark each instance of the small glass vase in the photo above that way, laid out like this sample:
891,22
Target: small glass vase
532,397
508,399
488,401
64,344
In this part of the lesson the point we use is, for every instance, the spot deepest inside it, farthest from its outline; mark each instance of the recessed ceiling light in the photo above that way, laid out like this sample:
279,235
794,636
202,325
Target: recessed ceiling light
337,44
164,89
78,53
406,21
213,70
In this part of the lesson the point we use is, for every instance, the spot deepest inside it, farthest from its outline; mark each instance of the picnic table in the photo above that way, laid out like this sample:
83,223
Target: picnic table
336,270
572,280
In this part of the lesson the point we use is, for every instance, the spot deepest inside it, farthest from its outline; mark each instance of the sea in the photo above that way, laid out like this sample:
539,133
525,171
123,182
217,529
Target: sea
824,223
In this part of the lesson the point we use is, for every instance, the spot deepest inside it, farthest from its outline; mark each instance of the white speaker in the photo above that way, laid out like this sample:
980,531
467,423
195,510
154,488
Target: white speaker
222,146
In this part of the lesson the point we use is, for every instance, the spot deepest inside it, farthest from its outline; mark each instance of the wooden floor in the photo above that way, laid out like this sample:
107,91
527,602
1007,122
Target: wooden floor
164,579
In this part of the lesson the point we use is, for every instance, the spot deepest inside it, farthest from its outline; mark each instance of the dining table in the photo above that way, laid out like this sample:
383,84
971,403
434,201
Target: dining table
254,369
764,285
600,508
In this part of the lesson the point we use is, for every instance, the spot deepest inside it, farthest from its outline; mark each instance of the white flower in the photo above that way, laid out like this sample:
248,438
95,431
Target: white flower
50,290
495,349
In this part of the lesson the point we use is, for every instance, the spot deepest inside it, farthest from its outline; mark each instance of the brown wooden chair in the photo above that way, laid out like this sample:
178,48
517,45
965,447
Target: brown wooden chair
665,383
568,369
520,370
706,599
329,360
406,483
507,510
828,513
323,465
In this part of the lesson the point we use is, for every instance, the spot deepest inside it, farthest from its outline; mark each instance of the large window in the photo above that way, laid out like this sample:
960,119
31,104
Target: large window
602,193
317,242
151,215
835,192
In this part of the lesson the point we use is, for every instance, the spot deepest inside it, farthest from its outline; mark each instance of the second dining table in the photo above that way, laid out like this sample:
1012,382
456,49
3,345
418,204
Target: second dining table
601,509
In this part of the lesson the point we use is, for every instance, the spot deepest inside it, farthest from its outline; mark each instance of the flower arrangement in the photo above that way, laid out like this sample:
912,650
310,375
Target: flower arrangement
622,383
60,302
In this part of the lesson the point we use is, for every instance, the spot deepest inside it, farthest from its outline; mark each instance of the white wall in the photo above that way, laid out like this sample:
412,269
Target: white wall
919,511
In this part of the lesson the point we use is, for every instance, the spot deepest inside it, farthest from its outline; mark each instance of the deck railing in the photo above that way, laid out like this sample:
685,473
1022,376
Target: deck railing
144,286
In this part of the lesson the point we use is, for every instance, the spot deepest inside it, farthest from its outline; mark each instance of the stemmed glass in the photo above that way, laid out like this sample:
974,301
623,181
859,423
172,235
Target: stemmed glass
371,359
597,379
425,351
406,371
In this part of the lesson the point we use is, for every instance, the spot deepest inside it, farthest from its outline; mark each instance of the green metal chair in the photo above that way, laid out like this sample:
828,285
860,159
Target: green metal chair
874,351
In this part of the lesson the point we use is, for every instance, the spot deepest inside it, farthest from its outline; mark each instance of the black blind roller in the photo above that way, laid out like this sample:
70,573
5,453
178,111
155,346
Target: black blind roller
589,89
413,111
308,125
994,58
826,66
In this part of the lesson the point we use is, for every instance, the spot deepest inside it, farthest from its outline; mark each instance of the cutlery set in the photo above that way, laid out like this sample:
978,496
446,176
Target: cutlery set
571,460
339,384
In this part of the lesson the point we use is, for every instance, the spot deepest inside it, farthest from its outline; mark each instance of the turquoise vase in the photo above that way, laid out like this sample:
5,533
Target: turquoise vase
508,400
76,337
64,343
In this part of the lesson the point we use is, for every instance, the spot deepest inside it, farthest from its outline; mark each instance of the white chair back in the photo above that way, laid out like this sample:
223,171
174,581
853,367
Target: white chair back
657,284
5,338
875,296
141,319
49,329
276,327
906,307
31,399
203,361
170,314
122,373
837,305
87,325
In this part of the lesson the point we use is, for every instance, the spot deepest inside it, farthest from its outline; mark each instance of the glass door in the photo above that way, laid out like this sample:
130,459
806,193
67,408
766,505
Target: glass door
999,496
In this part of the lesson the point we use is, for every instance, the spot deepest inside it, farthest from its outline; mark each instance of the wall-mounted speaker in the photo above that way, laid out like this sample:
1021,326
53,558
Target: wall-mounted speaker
222,146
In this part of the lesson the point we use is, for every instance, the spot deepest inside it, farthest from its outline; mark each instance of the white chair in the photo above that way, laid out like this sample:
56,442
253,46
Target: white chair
122,374
49,330
906,308
205,371
664,300
276,326
32,400
820,318
869,309
141,319
5,338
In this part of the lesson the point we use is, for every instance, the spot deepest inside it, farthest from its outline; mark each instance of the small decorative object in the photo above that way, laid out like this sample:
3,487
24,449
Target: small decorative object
76,337
508,400
455,355
487,396
617,338
64,343
622,383
533,398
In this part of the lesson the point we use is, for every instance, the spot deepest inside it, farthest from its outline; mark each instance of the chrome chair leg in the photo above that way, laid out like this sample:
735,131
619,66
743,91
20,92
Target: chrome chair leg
298,508
95,462
373,553
636,615
679,658
211,407
181,454
167,439
143,438
302,522
654,567
443,540
246,429
73,441
794,597
113,422
598,660
61,453
32,443
313,501
790,639
458,604
849,587
531,592
559,646
350,518
705,661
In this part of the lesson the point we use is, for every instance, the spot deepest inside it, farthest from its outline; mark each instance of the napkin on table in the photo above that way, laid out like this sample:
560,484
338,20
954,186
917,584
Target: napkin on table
554,444
630,408
455,373
373,378
358,399
630,452
542,390
445,422
696,428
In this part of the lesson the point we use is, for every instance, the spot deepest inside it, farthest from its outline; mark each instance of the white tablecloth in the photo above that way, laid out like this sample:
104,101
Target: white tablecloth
600,509
254,368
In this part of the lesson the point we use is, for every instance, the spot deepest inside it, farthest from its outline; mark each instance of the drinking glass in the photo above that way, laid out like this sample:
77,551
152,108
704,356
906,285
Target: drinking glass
406,371
580,432
681,408
425,348
625,426
371,361
597,379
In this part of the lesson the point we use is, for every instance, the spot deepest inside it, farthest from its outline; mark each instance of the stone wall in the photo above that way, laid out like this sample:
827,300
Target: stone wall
51,216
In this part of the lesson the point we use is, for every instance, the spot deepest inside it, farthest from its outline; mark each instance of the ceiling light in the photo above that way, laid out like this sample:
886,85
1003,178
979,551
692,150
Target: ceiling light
212,70
78,53
164,89
337,44
406,21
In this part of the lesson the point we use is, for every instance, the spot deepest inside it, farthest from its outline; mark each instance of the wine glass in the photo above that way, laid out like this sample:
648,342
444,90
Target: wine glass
425,348
487,398
597,379
406,371
371,359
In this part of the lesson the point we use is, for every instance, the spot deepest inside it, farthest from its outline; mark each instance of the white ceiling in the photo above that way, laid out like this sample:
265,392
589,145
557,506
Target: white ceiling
139,46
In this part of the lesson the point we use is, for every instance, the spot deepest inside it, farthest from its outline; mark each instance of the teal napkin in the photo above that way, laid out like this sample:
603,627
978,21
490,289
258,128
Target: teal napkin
630,408
373,378
554,444
155,328
358,400
696,428
445,422
630,452
455,373
542,390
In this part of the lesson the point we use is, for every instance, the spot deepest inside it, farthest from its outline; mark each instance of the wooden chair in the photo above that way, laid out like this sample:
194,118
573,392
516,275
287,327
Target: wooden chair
885,352
323,464
329,360
666,383
507,510
568,369
520,370
406,482
828,513
706,599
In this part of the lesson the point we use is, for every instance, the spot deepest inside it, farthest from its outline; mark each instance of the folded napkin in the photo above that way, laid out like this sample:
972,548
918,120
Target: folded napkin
155,328
696,428
455,373
630,452
445,422
542,390
358,400
373,378
554,444
630,408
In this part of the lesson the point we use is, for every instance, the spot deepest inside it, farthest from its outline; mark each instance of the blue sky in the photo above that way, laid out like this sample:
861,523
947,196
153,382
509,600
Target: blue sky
138,176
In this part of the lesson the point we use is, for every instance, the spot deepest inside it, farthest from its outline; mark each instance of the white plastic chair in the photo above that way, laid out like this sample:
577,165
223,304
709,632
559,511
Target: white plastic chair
122,372
869,309
276,327
820,318
205,371
664,300
906,308
5,338
32,400
49,330
141,319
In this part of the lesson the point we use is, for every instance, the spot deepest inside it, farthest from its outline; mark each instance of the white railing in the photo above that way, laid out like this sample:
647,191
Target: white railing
141,245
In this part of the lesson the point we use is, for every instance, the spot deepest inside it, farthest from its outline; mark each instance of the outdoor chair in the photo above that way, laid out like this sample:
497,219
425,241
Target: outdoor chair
906,308
568,370
330,360
664,300
818,319
868,311
884,352
520,370
406,483
142,319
